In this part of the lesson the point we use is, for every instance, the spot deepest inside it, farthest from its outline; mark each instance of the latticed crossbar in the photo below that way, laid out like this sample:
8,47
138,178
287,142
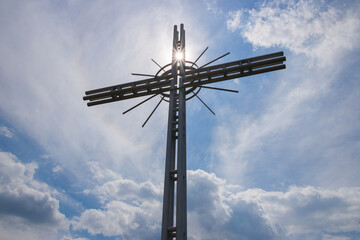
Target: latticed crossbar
202,76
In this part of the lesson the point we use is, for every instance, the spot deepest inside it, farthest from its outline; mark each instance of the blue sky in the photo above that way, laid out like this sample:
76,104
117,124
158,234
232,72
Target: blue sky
280,160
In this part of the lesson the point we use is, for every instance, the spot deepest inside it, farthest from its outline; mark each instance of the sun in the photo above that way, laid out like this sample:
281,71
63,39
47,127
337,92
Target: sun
179,56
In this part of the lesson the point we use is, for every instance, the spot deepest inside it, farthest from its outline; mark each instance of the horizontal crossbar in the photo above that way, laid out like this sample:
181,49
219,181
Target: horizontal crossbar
193,78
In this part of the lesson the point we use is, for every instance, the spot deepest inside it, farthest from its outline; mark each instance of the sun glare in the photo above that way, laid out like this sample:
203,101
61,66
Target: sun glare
179,56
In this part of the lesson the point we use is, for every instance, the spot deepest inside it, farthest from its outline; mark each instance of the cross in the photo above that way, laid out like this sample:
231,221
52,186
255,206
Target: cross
176,83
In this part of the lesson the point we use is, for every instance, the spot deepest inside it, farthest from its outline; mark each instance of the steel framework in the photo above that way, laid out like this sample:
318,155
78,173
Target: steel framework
178,82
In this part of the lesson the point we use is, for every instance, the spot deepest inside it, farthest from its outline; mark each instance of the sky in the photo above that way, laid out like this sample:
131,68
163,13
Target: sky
279,160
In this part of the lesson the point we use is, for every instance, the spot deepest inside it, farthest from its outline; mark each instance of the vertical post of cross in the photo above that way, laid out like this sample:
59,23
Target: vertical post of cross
181,208
176,140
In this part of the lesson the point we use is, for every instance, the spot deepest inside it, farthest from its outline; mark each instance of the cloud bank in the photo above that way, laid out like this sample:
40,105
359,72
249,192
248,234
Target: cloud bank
216,209
219,210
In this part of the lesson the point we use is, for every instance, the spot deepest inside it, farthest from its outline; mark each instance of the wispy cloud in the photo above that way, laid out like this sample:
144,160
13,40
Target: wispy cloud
57,169
234,21
6,132
64,50
288,132
212,6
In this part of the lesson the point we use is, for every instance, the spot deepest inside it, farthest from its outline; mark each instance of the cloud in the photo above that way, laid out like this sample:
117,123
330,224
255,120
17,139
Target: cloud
57,169
301,26
130,209
70,238
219,210
212,6
4,131
26,205
113,186
131,221
234,22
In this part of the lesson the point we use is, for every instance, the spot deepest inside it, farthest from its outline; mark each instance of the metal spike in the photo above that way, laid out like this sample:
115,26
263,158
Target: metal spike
199,57
162,98
140,103
215,60
157,64
221,89
141,74
204,103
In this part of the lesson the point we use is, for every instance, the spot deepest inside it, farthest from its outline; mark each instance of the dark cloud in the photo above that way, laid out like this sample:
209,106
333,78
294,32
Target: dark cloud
34,206
25,198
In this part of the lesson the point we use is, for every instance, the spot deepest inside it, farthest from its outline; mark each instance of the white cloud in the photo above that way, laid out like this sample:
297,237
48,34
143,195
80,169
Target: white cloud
6,132
57,169
27,207
234,22
132,221
113,186
130,209
70,238
320,30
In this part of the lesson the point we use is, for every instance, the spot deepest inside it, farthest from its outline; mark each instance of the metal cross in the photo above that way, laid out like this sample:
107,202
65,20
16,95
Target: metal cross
176,83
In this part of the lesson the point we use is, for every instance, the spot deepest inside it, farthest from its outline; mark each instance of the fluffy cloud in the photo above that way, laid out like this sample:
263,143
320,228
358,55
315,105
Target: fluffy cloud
130,209
219,210
27,207
132,221
113,186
